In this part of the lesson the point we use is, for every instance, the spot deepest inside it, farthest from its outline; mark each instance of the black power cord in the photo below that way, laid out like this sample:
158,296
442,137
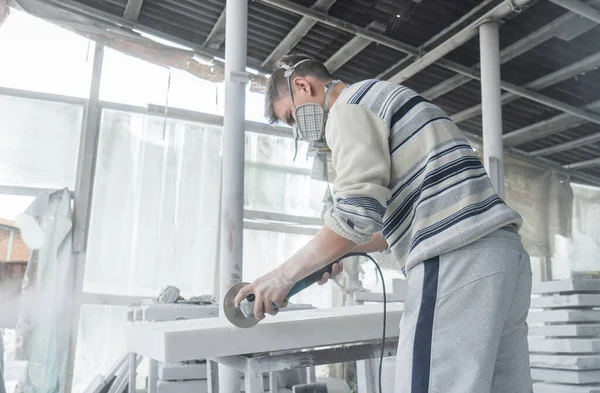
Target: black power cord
362,254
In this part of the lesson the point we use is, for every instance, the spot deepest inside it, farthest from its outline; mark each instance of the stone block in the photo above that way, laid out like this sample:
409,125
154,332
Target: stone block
566,345
587,330
181,371
566,286
578,377
563,301
563,316
565,362
544,387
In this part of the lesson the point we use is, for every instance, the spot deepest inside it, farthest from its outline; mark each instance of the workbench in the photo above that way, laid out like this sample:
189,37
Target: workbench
294,339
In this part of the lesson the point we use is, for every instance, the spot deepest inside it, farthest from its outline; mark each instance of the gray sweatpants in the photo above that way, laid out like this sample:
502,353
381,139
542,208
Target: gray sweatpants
464,328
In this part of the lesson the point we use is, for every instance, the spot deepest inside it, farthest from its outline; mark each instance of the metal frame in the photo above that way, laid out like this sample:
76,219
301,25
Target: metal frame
84,186
255,365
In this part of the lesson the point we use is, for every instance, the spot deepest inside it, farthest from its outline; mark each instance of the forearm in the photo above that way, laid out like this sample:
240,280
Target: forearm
376,244
326,247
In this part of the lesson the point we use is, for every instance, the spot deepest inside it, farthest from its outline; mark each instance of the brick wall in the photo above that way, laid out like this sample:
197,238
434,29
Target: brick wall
19,251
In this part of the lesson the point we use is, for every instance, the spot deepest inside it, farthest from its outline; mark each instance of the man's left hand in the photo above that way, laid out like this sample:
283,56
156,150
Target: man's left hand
270,291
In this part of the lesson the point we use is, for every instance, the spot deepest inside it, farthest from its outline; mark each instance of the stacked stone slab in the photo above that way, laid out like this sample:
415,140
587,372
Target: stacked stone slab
564,336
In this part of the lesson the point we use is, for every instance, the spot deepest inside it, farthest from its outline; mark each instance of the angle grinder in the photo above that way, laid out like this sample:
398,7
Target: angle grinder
244,315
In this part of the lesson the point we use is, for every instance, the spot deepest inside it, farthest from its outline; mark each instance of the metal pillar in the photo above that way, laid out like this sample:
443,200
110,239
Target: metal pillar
232,200
489,48
84,187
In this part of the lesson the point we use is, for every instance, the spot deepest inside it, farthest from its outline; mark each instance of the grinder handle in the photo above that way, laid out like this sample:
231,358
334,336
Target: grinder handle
310,280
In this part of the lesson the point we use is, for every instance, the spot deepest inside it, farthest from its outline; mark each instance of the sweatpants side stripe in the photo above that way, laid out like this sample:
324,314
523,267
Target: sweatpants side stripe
421,367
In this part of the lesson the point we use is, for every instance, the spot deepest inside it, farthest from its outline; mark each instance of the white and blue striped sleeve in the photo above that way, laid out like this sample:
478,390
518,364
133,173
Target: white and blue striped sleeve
358,140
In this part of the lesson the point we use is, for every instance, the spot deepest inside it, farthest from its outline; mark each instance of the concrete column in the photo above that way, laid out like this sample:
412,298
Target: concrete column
232,199
489,49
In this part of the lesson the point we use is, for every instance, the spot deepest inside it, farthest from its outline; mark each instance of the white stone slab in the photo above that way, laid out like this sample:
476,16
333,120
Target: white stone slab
558,286
564,345
197,386
565,376
182,387
181,371
544,387
563,316
555,301
377,297
177,341
566,362
565,330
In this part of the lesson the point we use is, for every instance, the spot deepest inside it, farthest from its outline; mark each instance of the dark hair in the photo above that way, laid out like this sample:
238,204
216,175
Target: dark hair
277,85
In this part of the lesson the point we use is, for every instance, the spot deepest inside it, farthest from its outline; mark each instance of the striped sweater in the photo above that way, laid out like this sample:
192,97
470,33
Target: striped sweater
404,169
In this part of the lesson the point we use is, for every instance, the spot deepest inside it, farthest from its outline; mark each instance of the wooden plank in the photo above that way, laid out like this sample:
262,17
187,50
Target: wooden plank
565,330
557,301
565,376
566,362
181,371
544,387
176,341
563,316
570,345
566,286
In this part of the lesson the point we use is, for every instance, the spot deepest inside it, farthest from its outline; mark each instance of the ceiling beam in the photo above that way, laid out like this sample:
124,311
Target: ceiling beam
542,162
547,127
575,143
217,35
533,96
352,48
579,8
565,23
589,63
501,11
439,35
132,9
594,162
296,34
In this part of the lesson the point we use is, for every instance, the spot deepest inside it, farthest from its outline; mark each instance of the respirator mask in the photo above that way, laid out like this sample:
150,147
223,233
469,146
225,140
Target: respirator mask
310,118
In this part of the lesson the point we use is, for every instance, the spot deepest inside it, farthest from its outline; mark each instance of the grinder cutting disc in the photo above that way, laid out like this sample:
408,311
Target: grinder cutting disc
234,314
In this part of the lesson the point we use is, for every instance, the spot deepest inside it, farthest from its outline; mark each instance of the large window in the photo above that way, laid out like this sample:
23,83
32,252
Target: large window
155,209
40,56
38,150
129,80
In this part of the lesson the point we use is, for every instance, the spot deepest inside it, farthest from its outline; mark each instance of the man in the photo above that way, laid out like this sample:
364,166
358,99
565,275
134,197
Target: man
408,181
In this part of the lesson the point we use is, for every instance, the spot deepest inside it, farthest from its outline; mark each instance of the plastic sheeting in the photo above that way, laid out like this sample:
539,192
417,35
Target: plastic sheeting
47,294
581,251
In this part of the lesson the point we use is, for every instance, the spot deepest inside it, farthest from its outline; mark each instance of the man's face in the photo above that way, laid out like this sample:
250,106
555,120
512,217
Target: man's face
304,93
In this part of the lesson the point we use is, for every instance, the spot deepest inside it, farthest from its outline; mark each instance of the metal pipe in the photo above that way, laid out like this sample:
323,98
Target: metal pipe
342,25
584,164
82,205
500,11
132,373
579,67
296,33
489,49
586,140
232,202
579,8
